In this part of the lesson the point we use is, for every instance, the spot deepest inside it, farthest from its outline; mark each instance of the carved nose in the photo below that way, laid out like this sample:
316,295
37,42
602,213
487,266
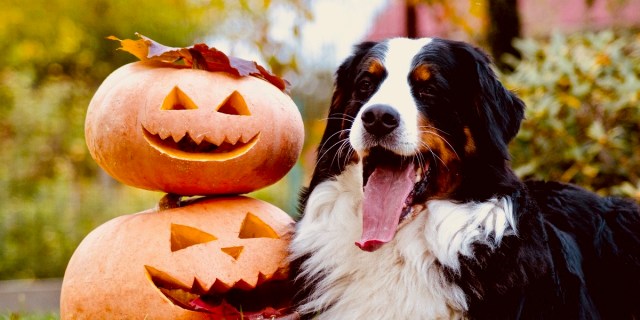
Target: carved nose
380,119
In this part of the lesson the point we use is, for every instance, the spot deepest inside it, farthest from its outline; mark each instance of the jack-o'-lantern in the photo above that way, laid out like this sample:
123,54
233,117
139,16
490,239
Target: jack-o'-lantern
167,127
216,258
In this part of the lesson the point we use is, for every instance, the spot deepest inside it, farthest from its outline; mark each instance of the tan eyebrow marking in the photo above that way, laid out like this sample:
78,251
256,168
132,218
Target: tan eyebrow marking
470,144
375,67
421,73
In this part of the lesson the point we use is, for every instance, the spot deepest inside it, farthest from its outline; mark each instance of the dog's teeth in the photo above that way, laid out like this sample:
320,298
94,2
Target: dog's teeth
418,175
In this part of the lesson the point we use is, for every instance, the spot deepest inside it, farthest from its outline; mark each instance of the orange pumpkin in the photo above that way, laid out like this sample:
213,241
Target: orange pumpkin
224,253
163,127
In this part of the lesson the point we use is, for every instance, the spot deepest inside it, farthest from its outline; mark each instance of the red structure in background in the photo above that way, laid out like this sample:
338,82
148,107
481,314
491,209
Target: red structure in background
538,17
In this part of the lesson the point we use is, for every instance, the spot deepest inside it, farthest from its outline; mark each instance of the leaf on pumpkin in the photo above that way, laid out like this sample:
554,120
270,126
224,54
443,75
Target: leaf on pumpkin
225,310
222,309
147,49
198,56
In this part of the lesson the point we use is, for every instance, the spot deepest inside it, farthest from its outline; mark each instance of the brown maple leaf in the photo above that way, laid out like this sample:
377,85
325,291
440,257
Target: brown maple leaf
198,56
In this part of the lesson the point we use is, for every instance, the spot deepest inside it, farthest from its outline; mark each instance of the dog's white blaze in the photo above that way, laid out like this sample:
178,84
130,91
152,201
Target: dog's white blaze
395,91
401,280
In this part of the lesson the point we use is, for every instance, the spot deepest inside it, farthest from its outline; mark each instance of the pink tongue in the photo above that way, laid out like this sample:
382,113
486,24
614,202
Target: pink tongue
384,196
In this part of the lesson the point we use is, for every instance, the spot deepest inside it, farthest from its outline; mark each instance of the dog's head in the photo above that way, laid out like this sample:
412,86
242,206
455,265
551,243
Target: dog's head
428,119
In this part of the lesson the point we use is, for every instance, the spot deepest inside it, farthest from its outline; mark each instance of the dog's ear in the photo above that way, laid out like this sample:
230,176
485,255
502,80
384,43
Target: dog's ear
330,161
343,89
499,110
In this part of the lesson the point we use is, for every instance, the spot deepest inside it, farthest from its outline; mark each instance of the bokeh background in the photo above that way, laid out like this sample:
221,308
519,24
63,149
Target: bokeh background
576,63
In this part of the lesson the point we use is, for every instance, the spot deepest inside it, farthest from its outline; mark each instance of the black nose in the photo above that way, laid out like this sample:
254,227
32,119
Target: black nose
380,119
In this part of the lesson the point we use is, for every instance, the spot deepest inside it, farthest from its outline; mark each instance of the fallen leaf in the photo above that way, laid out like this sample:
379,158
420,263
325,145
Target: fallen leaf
137,48
224,310
198,56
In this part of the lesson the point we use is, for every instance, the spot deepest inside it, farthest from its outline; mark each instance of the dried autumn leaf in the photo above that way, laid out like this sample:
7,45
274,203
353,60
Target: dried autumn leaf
226,311
221,310
147,49
198,56
135,47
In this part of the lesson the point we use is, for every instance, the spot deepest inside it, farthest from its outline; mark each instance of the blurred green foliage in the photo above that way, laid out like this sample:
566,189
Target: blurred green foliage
54,56
583,110
29,316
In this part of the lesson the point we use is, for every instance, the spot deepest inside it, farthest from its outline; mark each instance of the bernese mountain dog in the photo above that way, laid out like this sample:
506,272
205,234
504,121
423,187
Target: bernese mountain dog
413,210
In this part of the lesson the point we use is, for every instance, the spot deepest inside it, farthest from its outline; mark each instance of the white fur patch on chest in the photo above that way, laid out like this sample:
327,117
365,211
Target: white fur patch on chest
403,279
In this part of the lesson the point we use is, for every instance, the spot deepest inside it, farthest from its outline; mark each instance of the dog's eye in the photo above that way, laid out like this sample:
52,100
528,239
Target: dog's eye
364,86
423,92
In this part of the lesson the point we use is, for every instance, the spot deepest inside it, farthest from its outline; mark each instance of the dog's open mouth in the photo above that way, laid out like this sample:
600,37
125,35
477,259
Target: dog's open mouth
391,185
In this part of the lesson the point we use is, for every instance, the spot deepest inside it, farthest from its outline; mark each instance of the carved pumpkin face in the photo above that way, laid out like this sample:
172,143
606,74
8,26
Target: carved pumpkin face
226,253
192,132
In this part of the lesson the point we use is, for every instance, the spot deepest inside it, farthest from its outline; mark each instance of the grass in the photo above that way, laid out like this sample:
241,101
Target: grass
29,316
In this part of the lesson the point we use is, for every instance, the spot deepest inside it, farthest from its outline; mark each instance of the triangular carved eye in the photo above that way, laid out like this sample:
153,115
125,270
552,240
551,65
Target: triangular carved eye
234,105
185,236
253,227
178,100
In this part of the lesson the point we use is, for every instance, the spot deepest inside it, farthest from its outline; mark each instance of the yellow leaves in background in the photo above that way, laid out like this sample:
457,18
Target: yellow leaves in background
583,118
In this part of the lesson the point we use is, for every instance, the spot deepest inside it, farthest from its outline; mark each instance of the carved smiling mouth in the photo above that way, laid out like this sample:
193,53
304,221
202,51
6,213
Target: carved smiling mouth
268,298
201,148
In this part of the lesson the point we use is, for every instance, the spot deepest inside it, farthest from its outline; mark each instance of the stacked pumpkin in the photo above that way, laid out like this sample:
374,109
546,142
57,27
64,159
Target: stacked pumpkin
161,124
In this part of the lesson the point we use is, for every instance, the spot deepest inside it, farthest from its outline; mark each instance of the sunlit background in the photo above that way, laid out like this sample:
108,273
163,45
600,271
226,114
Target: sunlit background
576,63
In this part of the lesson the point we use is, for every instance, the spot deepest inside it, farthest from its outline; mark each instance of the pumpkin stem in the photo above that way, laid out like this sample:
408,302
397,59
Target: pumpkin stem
169,201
